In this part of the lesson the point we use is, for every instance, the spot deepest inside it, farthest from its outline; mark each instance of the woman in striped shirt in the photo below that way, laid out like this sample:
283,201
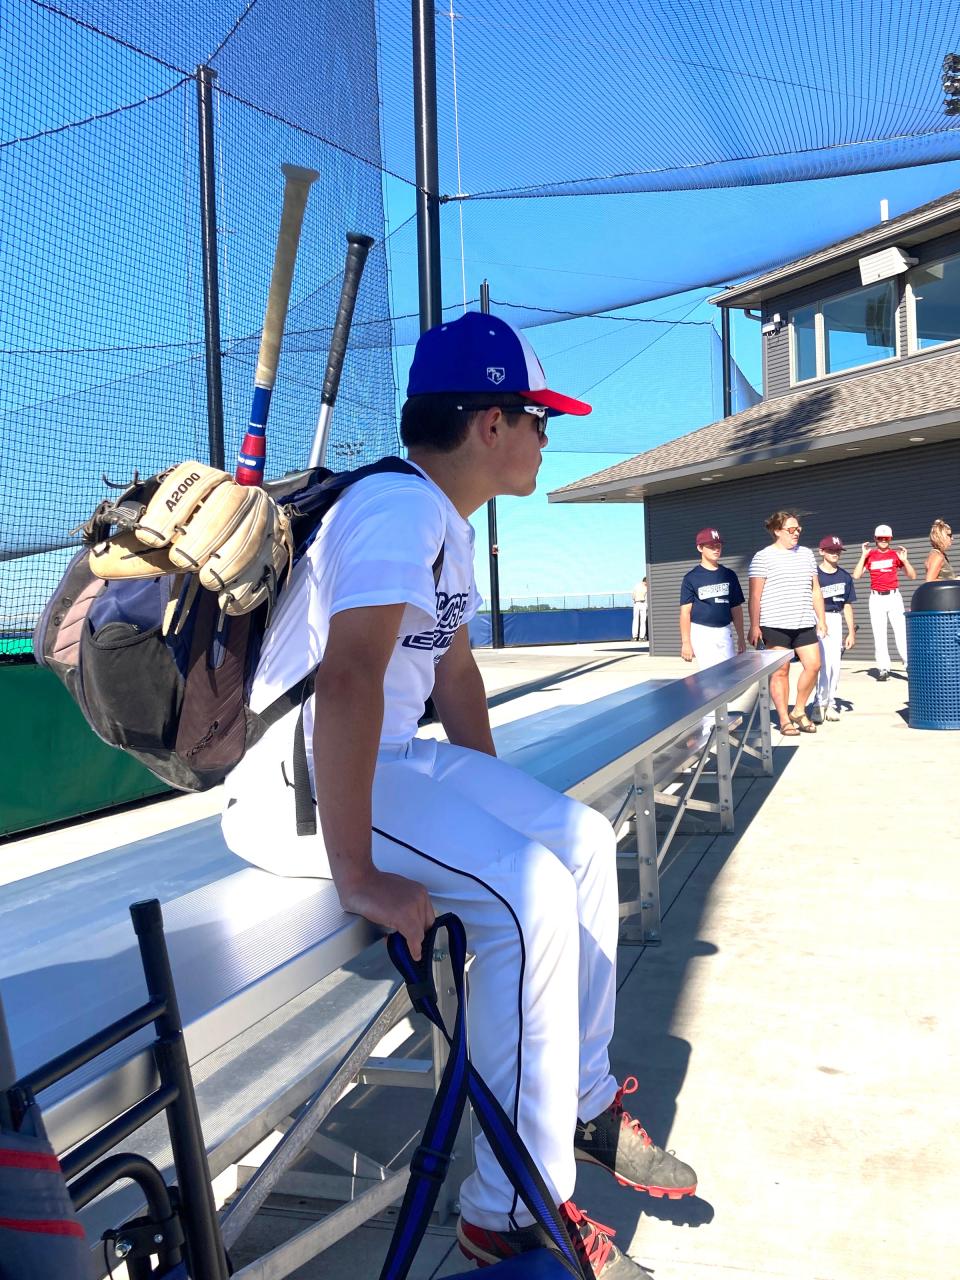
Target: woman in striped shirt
786,612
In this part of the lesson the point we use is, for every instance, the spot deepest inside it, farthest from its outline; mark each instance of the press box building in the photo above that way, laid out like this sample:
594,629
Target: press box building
859,421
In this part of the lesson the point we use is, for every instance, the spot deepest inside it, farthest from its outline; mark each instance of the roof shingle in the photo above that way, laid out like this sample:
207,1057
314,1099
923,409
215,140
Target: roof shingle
908,389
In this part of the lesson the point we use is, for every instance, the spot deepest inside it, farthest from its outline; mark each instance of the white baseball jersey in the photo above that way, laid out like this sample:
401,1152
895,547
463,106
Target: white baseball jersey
531,873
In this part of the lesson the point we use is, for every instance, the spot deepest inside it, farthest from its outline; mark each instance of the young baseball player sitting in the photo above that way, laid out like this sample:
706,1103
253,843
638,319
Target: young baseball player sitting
411,826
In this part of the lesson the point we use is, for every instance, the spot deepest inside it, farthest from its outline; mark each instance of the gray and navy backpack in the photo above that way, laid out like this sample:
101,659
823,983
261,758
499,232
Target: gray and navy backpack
156,667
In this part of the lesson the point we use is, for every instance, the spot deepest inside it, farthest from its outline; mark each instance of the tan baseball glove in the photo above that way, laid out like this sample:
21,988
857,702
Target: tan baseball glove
199,520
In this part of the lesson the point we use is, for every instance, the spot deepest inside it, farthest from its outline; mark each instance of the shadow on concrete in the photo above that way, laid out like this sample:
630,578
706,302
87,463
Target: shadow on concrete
687,880
554,678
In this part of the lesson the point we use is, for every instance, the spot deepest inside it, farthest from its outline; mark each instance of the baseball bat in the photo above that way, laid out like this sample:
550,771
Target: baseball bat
358,246
253,451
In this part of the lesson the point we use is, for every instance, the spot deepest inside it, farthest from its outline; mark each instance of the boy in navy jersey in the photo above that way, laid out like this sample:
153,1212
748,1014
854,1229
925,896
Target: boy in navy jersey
837,589
711,606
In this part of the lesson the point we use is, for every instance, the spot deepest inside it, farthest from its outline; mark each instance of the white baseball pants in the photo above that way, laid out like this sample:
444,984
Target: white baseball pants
533,876
831,652
639,627
884,609
710,646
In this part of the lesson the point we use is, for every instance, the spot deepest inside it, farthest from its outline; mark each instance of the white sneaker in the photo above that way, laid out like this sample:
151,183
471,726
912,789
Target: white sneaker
832,713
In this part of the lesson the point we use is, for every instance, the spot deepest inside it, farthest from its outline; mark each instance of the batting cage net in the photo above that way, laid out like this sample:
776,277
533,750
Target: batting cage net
103,346
605,165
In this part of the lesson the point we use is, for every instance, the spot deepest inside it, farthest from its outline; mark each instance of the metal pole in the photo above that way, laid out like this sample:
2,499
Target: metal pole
725,357
496,618
428,171
197,1208
7,1073
211,277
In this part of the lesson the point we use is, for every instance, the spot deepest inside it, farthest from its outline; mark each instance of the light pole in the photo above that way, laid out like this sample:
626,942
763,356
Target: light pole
496,620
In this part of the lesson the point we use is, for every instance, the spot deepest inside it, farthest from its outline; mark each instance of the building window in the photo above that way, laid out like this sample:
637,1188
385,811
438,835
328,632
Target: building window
935,288
805,343
846,332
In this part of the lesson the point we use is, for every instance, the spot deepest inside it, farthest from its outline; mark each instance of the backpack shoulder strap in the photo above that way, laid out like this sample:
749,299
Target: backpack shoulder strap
317,499
321,494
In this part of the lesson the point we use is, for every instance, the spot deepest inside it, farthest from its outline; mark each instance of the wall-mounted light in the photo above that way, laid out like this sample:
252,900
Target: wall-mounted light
917,439
884,265
773,325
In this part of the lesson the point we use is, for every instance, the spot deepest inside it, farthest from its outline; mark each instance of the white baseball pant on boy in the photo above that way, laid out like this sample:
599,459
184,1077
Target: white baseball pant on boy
884,609
710,646
831,652
533,876
638,627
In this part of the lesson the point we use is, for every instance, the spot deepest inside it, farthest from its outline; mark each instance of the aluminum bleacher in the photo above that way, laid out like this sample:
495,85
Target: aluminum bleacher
285,997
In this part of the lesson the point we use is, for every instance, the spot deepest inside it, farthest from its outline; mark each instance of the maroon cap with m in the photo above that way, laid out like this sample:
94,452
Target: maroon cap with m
709,538
831,543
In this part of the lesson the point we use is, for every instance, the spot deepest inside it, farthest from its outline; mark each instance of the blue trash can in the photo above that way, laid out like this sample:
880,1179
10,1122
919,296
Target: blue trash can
933,656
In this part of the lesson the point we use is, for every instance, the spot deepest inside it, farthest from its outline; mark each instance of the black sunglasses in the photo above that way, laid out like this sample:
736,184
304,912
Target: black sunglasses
537,411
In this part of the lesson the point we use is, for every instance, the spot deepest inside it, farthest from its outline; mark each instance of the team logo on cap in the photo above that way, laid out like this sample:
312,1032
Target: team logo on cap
496,373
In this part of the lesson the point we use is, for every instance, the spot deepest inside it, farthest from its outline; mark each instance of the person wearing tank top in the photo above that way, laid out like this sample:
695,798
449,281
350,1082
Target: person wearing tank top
937,566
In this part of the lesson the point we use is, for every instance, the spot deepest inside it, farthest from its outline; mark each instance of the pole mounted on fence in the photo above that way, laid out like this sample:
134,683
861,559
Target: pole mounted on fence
496,618
423,22
211,275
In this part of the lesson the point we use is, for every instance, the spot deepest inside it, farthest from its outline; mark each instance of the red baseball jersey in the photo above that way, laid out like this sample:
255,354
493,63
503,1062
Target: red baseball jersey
884,569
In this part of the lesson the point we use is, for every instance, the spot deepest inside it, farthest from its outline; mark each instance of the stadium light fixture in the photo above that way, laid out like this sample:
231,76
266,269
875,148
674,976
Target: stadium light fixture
950,80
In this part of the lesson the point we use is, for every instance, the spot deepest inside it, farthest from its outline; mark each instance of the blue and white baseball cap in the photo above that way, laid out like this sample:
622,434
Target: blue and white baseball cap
482,353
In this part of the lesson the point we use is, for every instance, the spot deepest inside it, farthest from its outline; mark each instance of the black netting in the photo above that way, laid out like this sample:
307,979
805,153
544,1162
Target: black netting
102,357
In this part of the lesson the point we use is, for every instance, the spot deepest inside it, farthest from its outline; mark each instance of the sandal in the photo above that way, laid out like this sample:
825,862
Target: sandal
789,731
803,722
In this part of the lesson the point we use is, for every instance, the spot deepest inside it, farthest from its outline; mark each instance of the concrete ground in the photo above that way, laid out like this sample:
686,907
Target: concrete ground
796,1033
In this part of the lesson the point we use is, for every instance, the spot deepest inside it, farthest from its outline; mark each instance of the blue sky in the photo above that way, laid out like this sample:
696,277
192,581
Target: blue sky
647,383
100,248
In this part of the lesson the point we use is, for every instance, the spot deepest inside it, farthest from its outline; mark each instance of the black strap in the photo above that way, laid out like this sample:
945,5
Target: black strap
460,1080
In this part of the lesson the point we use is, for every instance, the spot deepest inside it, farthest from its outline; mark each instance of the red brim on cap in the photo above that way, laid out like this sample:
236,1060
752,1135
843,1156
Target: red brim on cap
557,403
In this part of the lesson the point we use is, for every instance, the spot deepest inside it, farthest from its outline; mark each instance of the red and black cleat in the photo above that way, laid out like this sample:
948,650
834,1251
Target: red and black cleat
619,1143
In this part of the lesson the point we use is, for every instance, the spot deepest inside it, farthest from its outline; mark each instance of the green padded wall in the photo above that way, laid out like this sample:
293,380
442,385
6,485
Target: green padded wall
54,765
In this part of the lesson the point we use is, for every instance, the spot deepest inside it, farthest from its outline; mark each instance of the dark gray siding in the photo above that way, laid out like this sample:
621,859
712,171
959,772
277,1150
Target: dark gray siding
776,361
907,489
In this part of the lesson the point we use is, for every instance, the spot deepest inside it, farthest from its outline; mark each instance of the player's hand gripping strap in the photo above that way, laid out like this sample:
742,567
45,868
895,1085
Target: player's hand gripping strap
460,1080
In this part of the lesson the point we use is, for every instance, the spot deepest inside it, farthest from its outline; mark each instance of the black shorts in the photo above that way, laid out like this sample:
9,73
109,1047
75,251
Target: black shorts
788,638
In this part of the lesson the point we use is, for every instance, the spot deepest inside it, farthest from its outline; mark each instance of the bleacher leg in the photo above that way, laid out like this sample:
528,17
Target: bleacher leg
197,1210
766,736
645,926
724,771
